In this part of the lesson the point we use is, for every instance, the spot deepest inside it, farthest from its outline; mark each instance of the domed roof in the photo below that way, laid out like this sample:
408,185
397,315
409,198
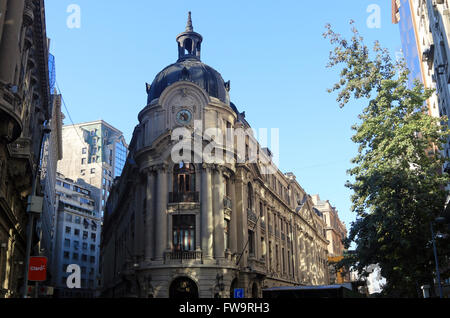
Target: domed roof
193,70
190,68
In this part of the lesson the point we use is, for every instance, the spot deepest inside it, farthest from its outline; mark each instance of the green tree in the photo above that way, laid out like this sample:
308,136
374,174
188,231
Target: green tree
398,184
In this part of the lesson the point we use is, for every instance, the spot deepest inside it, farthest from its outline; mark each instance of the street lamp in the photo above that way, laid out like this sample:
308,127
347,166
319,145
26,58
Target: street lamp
31,213
438,275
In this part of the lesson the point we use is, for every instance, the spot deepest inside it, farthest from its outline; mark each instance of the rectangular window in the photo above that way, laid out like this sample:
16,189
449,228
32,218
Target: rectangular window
251,242
93,170
83,161
75,256
85,235
68,230
76,232
93,236
92,259
84,257
93,247
66,243
227,234
84,150
68,217
183,230
66,254
85,245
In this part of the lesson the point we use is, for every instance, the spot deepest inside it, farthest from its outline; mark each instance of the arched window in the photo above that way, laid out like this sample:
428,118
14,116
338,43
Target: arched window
249,196
183,178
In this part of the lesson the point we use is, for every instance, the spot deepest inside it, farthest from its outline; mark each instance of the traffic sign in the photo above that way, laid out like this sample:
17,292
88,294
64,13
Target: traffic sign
239,293
37,270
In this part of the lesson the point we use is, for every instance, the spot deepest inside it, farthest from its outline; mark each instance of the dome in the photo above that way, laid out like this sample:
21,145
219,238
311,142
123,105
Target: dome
193,70
190,68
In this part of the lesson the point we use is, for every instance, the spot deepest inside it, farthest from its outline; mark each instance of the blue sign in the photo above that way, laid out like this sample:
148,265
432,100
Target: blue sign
239,293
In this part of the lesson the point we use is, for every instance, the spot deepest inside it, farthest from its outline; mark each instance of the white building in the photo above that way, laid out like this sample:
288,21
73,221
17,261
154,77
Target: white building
77,238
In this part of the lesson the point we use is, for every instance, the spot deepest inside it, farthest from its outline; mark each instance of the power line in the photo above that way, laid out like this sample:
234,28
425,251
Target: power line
68,113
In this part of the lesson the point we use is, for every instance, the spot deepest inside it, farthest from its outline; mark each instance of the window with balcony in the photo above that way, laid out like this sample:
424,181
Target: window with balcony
183,183
249,196
251,243
183,229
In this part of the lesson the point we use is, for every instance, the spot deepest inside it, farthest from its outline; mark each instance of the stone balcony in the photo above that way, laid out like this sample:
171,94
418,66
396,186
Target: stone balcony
180,257
10,112
179,197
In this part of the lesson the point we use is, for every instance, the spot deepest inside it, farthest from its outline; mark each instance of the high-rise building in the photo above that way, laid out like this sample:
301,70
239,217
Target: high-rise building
196,228
95,152
77,239
25,107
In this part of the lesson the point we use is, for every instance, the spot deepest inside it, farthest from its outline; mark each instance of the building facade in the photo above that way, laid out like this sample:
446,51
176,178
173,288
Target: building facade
24,108
51,154
77,239
336,232
194,227
95,152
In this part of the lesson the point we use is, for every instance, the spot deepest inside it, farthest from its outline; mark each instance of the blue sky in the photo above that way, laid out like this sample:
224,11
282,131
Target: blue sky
273,53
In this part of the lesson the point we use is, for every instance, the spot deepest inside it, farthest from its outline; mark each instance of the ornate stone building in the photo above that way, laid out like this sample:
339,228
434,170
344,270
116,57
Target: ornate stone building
196,228
24,108
336,232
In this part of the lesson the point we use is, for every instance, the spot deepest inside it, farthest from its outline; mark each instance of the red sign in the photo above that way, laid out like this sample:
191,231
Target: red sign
37,271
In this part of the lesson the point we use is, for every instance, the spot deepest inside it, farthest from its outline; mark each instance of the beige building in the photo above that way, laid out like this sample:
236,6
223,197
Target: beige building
199,228
95,152
336,232
24,108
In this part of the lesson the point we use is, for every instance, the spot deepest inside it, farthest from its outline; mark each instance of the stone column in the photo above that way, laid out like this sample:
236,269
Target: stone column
138,222
9,44
149,216
233,223
258,246
218,194
206,213
161,213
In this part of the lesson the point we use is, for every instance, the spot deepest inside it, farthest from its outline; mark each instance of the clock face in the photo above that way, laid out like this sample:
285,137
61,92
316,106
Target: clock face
184,117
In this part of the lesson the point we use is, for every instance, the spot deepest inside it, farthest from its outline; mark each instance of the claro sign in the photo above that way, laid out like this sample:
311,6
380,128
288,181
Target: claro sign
37,271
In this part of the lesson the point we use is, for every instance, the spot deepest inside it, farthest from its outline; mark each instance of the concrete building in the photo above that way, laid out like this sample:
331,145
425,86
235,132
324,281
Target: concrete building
96,152
77,238
336,232
424,27
200,228
25,106
51,154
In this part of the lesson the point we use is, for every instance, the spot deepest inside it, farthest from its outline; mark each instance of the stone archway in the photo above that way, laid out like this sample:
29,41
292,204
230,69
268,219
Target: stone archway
255,291
183,288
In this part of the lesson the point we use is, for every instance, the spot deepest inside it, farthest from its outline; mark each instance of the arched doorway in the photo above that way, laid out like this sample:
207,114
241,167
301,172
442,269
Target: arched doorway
183,288
255,293
234,284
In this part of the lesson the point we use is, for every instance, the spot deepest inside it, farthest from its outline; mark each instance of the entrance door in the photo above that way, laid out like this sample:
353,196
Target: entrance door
183,288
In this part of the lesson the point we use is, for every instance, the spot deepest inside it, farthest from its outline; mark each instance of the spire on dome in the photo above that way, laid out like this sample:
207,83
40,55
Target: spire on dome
189,27
189,42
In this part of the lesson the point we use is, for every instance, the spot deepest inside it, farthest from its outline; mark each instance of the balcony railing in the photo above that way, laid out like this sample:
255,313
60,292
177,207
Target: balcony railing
177,197
251,216
183,255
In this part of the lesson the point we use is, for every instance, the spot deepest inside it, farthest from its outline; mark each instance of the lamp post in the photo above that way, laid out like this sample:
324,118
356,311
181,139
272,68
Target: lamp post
46,130
438,275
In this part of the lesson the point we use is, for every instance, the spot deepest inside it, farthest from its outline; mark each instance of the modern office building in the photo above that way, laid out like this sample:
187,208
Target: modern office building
95,152
199,228
77,239
25,106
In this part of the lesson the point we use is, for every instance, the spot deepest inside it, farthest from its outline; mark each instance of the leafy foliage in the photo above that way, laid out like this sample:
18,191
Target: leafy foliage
398,186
